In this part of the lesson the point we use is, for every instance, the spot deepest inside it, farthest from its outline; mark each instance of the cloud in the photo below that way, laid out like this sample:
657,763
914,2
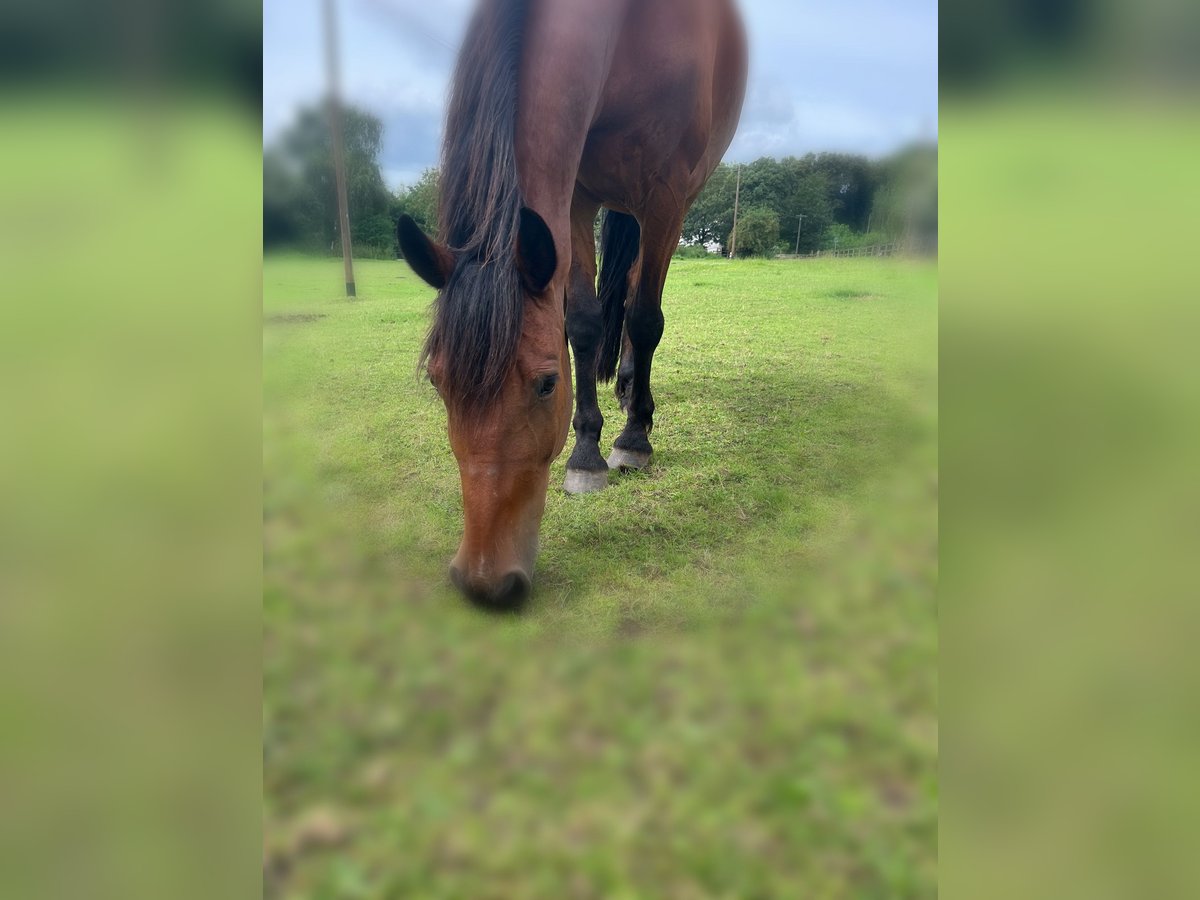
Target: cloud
859,76
409,137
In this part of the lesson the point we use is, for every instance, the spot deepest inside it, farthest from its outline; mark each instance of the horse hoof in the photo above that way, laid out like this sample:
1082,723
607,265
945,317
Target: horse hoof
580,481
628,459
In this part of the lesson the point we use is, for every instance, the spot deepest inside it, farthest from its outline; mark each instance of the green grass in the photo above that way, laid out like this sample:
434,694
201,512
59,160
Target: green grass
725,683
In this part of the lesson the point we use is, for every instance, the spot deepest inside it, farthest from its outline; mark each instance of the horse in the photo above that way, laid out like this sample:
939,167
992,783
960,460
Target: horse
559,108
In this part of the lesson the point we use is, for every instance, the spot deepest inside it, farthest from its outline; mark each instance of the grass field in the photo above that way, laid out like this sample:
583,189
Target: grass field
725,684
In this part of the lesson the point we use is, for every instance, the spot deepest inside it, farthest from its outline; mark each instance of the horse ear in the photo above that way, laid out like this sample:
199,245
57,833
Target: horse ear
536,256
429,259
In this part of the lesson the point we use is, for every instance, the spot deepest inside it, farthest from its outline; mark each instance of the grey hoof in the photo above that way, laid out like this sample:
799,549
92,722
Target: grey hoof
628,459
580,481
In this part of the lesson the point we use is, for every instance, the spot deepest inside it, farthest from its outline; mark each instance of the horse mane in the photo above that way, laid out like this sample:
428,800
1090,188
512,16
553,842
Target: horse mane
478,314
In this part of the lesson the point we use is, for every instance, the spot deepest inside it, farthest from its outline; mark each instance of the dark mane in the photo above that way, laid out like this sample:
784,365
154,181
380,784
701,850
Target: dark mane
477,317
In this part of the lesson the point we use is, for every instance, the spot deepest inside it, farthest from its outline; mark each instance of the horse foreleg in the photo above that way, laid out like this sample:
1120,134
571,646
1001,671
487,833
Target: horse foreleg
586,469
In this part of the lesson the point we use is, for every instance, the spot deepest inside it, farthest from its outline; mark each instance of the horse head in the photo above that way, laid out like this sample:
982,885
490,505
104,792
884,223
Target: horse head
497,355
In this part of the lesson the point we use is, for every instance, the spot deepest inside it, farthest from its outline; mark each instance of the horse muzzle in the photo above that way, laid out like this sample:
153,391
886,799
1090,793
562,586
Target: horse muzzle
507,591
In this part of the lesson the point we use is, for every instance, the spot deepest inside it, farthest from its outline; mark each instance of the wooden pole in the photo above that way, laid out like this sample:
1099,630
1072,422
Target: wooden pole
798,224
335,127
737,192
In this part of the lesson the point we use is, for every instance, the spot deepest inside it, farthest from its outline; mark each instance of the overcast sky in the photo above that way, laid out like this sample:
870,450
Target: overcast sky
855,75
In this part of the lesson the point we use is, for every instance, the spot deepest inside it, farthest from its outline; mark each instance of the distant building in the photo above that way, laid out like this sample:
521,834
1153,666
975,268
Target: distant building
710,246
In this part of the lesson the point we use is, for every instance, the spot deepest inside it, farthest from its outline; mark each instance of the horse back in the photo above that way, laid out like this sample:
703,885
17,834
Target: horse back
671,102
618,97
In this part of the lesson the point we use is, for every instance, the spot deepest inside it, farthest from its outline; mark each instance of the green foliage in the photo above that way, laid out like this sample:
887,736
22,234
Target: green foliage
299,188
823,188
725,684
283,219
827,189
837,237
851,183
691,251
849,240
375,235
711,215
758,232
906,203
806,195
420,201
840,237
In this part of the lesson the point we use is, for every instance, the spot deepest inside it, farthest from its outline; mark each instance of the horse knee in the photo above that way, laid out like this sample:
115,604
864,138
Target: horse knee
584,324
645,324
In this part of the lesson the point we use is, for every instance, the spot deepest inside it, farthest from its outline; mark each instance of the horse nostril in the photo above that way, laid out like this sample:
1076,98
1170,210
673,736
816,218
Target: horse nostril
514,590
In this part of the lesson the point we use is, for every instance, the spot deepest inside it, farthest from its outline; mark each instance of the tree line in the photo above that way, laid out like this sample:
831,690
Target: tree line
846,200
817,202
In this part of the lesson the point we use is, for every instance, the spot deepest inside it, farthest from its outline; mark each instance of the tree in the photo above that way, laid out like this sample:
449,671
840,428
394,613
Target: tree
758,232
906,204
282,222
838,237
711,216
808,195
852,183
790,187
420,201
893,197
305,151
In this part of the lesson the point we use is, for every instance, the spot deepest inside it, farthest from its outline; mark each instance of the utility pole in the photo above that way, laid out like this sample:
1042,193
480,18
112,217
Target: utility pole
335,127
737,192
798,224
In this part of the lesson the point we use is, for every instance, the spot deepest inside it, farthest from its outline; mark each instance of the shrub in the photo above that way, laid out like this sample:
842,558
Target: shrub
758,232
691,251
375,251
849,240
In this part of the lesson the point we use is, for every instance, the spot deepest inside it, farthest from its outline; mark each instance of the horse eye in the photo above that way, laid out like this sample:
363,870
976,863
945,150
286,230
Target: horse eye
546,386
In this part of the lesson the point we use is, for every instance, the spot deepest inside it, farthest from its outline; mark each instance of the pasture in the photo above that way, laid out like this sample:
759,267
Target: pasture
725,683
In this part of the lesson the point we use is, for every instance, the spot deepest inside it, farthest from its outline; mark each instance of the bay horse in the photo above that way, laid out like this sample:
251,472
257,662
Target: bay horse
558,108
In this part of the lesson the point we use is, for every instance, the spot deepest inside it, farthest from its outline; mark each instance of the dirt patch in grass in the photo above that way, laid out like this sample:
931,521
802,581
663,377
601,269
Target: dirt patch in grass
291,318
850,294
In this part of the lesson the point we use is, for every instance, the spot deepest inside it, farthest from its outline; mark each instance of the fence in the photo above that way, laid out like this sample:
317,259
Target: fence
874,250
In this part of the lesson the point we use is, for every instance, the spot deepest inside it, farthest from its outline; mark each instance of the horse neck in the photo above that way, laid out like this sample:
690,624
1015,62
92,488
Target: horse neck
567,51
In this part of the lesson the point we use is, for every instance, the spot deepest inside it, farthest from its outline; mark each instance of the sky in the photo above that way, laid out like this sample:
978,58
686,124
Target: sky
856,75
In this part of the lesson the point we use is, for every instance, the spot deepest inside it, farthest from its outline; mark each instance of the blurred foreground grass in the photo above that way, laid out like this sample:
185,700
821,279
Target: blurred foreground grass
725,683
1069,318
129,494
